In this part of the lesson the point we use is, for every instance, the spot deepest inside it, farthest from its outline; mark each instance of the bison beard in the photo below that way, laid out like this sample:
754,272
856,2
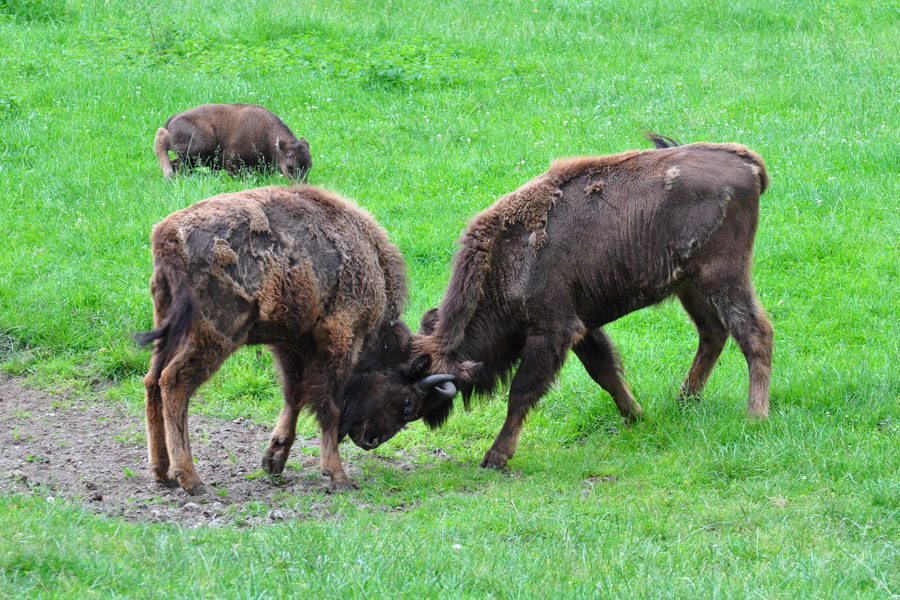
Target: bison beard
595,238
316,279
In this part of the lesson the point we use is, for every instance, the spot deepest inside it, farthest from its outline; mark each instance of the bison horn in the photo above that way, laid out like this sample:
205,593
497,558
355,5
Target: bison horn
441,382
446,390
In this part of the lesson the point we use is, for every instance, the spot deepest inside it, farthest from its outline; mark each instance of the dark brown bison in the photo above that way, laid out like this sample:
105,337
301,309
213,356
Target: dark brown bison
595,238
316,279
231,137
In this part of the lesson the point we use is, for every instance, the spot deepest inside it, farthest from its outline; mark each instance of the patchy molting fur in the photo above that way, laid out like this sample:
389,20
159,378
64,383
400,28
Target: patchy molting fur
585,243
300,269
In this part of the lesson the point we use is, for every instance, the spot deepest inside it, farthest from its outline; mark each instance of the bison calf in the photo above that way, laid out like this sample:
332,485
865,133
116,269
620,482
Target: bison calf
316,279
595,238
231,137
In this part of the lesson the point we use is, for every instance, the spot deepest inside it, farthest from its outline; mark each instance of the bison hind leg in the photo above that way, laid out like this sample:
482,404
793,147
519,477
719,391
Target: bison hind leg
161,145
743,317
197,358
157,453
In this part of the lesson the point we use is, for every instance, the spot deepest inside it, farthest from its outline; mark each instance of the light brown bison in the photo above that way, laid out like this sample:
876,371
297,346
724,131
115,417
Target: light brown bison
595,238
231,137
316,279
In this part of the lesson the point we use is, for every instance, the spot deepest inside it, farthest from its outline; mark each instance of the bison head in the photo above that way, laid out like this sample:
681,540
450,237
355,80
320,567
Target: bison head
390,388
294,159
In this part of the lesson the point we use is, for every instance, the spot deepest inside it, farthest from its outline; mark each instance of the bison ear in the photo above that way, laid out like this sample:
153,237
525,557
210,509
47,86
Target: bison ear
417,367
279,143
304,142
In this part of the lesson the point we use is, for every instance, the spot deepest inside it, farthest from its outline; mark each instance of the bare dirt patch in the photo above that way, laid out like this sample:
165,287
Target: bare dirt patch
94,454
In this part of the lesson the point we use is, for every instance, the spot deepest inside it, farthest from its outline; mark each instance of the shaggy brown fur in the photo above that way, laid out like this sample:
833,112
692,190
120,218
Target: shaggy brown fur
231,137
307,273
543,269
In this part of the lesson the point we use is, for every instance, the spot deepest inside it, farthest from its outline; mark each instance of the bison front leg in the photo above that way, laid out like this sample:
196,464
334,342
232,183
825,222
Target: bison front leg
330,458
542,358
596,353
323,389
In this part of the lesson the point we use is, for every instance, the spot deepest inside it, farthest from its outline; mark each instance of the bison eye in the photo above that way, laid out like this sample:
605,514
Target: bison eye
407,406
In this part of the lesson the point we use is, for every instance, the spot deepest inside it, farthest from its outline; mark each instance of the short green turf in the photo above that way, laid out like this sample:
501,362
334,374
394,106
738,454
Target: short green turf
424,113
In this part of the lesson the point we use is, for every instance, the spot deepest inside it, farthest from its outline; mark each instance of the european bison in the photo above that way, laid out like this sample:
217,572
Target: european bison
307,273
595,238
231,137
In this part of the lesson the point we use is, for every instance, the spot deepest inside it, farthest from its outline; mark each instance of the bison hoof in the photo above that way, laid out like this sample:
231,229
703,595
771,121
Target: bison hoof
161,476
685,398
492,461
273,461
341,485
196,490
757,417
635,416
166,482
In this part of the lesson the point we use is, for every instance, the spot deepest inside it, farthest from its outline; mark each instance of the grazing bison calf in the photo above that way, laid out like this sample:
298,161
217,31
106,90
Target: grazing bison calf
231,137
595,238
313,277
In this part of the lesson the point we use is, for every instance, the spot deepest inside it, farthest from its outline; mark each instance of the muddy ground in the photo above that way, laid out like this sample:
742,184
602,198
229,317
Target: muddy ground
93,454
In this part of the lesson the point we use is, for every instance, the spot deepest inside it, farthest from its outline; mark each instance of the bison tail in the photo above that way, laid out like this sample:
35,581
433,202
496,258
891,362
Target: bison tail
761,172
161,144
174,286
759,167
661,141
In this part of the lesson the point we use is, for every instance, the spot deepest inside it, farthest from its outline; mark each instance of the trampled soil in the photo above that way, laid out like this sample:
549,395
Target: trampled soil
93,454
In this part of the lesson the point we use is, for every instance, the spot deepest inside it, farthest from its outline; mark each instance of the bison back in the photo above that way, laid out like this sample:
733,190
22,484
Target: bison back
272,262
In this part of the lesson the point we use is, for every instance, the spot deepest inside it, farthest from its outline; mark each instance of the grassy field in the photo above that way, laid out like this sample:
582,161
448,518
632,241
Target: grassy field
425,113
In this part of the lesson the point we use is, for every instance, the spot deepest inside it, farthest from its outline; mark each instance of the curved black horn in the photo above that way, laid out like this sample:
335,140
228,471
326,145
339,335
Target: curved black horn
426,383
446,390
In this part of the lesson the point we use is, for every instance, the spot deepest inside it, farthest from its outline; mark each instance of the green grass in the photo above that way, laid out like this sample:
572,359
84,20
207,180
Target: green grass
425,113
